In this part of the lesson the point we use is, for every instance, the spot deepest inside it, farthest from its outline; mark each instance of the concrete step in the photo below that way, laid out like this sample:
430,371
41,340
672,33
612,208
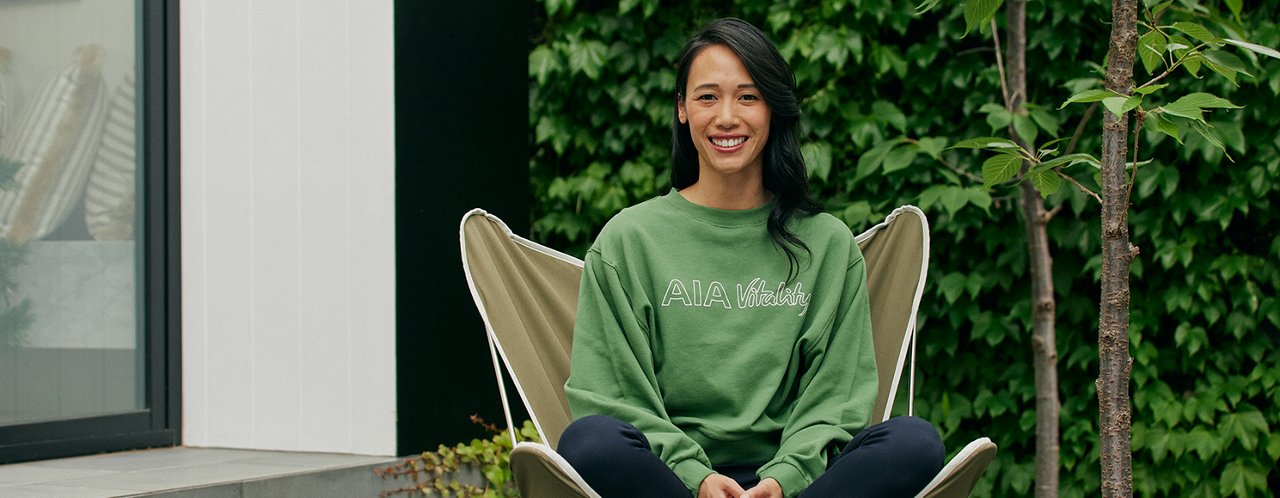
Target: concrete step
199,473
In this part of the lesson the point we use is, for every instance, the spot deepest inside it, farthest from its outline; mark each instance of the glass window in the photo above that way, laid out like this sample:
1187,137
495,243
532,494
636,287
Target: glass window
72,340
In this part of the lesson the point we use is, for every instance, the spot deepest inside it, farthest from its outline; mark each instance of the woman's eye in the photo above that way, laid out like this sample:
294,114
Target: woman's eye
750,97
705,97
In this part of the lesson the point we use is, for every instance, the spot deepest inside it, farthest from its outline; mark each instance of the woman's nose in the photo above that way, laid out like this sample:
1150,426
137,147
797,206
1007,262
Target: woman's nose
726,114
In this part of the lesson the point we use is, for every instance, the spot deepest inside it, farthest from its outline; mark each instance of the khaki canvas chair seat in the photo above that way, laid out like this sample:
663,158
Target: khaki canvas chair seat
527,295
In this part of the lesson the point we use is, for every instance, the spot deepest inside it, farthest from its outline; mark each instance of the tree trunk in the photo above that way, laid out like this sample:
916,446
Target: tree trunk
1114,362
1043,342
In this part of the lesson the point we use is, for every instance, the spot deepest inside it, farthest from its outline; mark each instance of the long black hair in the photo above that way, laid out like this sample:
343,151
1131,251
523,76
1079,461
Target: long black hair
784,171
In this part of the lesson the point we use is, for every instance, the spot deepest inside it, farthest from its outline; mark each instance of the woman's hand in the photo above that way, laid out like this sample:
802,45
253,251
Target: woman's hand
768,488
720,486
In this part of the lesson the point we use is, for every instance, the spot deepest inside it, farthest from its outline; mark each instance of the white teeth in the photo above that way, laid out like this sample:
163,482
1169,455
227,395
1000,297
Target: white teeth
731,142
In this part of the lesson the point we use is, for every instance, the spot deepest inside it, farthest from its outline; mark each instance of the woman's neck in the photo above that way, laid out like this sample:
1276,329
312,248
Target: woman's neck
721,195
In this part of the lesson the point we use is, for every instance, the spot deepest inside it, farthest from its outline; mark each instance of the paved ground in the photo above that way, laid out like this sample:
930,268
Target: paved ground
197,473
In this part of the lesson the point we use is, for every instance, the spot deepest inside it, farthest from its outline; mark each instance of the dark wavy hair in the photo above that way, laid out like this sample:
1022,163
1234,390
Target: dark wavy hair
785,175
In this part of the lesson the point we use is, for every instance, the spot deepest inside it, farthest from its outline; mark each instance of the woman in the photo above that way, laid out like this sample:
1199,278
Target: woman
723,341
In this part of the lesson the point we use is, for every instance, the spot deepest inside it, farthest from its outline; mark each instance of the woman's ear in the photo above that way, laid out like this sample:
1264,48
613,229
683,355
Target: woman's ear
680,114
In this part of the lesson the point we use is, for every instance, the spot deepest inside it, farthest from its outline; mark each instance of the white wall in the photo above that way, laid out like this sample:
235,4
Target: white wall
288,262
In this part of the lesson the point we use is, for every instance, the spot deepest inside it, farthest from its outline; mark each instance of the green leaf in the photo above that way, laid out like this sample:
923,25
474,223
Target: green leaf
1151,49
1226,60
932,146
1248,427
1121,105
588,57
900,157
1025,129
1148,90
978,12
1257,49
1192,106
872,159
817,156
999,168
625,6
856,214
1235,6
997,116
8,170
542,62
1089,96
1164,125
886,112
989,143
1045,120
1242,480
1206,131
1196,31
1067,161
1046,182
979,197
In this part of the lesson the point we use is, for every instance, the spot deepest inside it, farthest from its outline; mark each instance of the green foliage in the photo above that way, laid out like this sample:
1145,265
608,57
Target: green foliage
438,471
15,315
889,93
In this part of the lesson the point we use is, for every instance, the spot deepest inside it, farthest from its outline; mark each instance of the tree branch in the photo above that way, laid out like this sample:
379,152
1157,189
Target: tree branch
1004,85
1139,117
949,166
1078,185
1075,137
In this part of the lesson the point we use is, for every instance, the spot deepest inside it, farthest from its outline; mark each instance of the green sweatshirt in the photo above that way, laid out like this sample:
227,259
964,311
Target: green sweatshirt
688,329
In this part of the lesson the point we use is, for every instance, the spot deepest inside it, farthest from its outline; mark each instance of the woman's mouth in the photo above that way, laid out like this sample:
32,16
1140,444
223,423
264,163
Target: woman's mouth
728,144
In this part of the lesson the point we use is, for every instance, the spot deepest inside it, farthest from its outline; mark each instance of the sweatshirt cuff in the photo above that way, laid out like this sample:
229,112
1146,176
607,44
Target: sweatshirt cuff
692,472
788,477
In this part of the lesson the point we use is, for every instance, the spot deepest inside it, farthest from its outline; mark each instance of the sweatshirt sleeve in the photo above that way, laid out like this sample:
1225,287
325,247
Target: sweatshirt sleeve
836,392
612,371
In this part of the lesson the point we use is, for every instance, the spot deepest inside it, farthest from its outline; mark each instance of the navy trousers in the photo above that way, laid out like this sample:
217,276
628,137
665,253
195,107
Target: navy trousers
895,458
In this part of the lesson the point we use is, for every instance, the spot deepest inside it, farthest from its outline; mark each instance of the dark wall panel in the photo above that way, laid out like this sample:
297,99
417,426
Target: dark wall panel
461,142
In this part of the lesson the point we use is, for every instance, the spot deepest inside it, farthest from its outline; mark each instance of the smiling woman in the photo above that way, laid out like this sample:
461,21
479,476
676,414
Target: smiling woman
729,125
689,373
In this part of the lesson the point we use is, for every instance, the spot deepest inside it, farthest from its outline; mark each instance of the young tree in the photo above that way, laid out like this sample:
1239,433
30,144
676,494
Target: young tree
1019,160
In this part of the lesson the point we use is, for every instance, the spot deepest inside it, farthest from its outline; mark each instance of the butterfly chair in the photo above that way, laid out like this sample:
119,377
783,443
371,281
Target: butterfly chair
527,295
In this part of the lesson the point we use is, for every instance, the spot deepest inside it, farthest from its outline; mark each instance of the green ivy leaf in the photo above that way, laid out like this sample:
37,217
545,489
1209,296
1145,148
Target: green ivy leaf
932,146
900,157
886,112
872,159
1000,168
817,156
1242,480
588,57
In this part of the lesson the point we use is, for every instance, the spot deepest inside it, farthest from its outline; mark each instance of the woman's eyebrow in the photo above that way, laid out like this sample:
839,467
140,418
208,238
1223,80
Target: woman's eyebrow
717,85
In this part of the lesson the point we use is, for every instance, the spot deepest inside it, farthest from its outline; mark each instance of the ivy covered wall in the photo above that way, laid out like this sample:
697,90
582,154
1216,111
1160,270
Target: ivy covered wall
884,89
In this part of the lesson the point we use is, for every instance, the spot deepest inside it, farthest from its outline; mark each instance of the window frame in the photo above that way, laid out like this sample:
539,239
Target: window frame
159,423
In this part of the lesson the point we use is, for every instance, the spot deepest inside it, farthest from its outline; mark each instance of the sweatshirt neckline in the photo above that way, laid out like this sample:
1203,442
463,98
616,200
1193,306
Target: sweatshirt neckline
720,217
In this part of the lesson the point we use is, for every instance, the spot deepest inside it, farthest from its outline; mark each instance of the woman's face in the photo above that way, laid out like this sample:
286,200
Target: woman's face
727,116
